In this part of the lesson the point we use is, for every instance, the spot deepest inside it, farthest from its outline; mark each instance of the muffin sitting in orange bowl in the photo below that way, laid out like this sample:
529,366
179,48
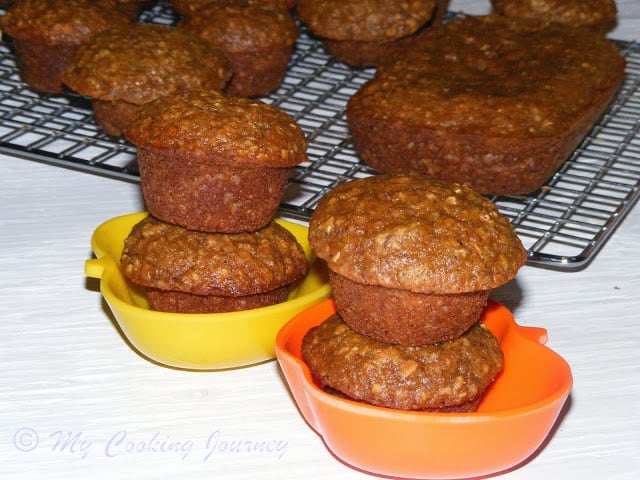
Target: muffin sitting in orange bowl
411,263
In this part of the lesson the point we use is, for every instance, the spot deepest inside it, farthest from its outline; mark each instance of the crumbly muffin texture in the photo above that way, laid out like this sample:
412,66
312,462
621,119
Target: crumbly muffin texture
431,377
168,257
142,62
365,20
214,128
590,13
415,233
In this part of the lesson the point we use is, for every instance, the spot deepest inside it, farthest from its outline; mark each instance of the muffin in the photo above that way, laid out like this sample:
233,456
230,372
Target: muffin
362,33
185,271
126,67
597,14
215,163
258,40
189,7
46,33
444,377
412,260
492,102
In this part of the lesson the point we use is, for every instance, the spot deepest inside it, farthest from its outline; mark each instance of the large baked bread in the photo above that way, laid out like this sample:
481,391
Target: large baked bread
493,102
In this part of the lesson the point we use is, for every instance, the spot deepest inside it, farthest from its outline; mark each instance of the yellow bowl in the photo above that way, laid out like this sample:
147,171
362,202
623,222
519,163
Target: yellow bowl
195,341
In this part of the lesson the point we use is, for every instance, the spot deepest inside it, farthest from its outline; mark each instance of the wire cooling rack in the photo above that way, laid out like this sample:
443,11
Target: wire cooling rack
563,225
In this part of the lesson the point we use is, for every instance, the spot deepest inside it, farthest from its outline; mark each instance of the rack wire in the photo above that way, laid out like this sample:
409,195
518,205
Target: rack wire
563,225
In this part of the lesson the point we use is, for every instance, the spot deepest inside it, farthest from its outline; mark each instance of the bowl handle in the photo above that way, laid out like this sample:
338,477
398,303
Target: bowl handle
95,267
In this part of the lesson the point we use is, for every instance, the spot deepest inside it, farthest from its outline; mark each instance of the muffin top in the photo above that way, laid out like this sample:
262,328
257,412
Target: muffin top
139,63
55,22
211,127
415,233
428,377
168,257
365,20
530,75
571,12
240,26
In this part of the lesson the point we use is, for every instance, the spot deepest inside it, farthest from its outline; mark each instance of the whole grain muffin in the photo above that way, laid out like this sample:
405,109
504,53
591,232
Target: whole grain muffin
489,101
196,272
448,376
412,259
46,33
215,163
125,67
598,14
362,33
258,40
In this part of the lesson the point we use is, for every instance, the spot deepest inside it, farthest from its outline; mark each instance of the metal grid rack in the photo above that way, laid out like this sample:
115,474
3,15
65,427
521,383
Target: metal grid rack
563,225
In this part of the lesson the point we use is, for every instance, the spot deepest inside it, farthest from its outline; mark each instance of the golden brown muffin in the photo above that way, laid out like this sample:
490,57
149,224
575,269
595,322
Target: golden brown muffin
46,33
598,14
362,33
258,40
489,101
187,271
123,68
414,258
448,376
188,7
215,163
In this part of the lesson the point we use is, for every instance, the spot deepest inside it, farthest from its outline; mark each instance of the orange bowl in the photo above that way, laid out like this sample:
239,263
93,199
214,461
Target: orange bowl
513,419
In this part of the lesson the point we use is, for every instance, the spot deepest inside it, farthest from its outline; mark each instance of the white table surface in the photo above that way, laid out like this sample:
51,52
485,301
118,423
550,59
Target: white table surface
74,397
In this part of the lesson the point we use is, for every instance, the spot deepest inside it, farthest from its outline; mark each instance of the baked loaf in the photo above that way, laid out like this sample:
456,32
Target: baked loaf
493,102
215,163
46,33
125,67
598,14
412,259
362,33
257,39
449,376
186,271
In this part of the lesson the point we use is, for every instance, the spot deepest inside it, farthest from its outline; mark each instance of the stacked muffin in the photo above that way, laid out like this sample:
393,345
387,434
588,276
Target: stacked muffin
213,170
411,261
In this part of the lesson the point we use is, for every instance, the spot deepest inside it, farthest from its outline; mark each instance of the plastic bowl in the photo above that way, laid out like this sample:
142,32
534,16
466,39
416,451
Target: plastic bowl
511,423
195,341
